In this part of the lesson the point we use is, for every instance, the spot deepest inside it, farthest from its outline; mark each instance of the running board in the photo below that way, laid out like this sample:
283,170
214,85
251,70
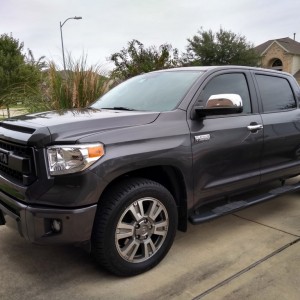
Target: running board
202,216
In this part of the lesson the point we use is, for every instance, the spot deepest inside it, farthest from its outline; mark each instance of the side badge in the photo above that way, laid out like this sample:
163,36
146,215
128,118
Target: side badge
202,138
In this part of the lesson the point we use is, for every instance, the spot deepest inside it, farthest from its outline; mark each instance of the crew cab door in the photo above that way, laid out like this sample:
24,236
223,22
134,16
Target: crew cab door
281,121
226,152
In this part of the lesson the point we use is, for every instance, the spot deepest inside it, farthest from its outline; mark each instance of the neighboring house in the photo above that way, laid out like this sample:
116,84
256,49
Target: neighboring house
281,54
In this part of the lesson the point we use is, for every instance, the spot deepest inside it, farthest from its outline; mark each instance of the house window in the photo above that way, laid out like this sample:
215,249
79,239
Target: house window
277,65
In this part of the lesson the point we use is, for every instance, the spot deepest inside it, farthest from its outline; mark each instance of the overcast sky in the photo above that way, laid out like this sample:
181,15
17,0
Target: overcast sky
107,25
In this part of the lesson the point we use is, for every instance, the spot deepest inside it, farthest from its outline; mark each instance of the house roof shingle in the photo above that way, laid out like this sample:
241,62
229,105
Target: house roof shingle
287,43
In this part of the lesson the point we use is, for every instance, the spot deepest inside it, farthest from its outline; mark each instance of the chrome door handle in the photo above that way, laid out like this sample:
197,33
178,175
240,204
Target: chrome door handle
255,127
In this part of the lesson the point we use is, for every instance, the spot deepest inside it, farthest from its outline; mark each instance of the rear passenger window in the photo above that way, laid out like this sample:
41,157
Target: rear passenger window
276,93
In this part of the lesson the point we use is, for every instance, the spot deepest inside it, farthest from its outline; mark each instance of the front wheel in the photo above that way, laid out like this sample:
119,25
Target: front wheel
135,226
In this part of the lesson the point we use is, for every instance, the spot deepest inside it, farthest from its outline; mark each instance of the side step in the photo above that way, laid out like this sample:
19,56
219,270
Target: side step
204,215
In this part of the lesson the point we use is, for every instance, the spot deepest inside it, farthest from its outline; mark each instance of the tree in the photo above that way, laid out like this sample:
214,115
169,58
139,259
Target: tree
221,48
39,63
136,59
20,76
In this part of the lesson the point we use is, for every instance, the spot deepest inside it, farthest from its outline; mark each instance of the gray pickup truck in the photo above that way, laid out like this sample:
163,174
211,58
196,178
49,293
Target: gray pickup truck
122,176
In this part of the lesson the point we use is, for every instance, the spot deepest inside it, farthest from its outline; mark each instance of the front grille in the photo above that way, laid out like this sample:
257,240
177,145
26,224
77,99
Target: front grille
12,173
20,166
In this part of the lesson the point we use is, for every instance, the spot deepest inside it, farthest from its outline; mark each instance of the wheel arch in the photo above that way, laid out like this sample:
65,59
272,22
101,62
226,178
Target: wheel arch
169,177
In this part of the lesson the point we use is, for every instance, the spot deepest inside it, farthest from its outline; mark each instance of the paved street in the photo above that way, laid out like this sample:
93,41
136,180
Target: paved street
252,254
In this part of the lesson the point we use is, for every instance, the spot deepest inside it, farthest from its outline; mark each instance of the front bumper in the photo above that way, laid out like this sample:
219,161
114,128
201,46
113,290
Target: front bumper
35,224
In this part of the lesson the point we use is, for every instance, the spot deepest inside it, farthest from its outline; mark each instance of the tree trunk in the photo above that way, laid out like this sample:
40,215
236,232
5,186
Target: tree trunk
8,111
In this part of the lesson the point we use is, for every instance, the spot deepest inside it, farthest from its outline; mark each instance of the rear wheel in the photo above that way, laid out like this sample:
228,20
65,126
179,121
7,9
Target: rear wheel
135,226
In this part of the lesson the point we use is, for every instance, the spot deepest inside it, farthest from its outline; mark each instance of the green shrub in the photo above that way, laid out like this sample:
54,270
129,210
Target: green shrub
76,87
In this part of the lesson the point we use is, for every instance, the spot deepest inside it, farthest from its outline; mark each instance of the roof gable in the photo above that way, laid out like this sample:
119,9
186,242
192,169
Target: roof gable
287,44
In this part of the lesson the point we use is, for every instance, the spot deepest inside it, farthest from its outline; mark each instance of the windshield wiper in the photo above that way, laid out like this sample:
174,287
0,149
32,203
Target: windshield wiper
92,108
119,108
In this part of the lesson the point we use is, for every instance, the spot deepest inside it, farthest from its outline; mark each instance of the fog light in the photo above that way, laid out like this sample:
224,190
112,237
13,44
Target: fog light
56,225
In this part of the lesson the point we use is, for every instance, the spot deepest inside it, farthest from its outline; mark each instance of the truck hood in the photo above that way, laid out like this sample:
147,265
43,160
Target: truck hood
69,125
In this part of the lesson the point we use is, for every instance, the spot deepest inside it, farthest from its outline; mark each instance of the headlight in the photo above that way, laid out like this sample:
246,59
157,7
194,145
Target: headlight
66,159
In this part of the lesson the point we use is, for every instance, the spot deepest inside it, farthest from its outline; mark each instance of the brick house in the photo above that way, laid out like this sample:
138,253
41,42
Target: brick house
281,54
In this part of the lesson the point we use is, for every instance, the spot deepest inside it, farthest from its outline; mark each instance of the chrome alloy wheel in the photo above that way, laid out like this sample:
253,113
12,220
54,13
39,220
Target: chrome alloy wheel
141,230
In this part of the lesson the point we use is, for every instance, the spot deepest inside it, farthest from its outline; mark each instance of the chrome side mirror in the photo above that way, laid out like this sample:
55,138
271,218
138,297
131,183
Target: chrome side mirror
221,104
224,101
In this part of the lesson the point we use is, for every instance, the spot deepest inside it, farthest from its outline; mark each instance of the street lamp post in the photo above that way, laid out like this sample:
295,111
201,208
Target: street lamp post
61,36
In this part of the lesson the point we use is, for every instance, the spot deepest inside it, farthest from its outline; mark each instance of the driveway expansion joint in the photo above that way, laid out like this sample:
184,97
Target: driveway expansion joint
271,227
245,270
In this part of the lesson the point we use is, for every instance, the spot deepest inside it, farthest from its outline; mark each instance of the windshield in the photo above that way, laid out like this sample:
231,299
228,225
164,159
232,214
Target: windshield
161,91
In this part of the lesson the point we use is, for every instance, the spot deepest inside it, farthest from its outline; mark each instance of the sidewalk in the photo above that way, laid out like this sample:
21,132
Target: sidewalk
13,112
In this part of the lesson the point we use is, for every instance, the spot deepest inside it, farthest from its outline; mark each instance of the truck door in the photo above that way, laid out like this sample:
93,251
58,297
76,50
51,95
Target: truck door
226,150
281,121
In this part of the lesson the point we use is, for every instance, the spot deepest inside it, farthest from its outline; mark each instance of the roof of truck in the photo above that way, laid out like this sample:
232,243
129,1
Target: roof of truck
226,67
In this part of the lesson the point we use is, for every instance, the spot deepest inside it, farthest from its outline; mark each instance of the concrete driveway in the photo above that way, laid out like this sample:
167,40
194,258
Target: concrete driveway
252,254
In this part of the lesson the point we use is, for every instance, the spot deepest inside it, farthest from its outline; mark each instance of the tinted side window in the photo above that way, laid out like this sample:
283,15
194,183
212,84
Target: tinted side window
233,83
276,93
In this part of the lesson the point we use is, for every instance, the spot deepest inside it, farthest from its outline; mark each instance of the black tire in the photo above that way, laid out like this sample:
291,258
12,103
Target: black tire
135,226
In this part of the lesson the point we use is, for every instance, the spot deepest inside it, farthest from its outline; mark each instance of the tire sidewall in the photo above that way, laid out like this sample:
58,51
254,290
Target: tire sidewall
151,190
